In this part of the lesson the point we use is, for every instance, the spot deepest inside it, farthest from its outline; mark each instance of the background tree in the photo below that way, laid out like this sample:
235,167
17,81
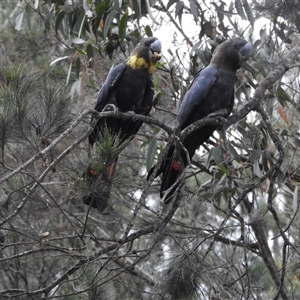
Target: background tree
232,231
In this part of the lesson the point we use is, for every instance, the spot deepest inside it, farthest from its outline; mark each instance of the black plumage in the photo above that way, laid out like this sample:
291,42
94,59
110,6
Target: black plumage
211,93
129,88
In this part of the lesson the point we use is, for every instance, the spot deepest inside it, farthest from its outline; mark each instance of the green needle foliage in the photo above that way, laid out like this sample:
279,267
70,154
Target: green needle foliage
95,184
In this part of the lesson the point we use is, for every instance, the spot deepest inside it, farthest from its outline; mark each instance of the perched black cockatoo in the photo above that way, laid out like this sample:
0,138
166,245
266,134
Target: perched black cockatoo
211,93
129,88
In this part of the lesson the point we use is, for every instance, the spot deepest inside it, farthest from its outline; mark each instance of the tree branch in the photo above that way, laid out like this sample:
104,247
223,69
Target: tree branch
259,93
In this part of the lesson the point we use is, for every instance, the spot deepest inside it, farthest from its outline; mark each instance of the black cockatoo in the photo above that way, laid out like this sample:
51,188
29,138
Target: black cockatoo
129,88
211,93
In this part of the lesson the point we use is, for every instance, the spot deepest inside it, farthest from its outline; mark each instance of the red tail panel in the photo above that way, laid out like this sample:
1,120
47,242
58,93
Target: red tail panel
175,165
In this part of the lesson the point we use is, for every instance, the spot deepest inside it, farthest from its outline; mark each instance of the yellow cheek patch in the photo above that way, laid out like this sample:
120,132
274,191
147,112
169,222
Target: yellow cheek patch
151,68
139,62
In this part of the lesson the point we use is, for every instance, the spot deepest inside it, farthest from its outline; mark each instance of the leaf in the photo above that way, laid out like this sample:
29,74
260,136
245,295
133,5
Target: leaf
18,21
91,82
122,27
58,20
179,10
256,153
89,51
152,149
79,51
117,4
212,43
78,67
48,18
194,10
285,163
224,169
28,11
100,8
256,169
202,56
234,153
196,45
170,3
207,162
73,18
283,115
265,163
148,31
239,9
108,22
280,31
98,20
58,59
69,73
216,155
156,130
207,53
282,96
137,10
296,142
83,24
248,11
